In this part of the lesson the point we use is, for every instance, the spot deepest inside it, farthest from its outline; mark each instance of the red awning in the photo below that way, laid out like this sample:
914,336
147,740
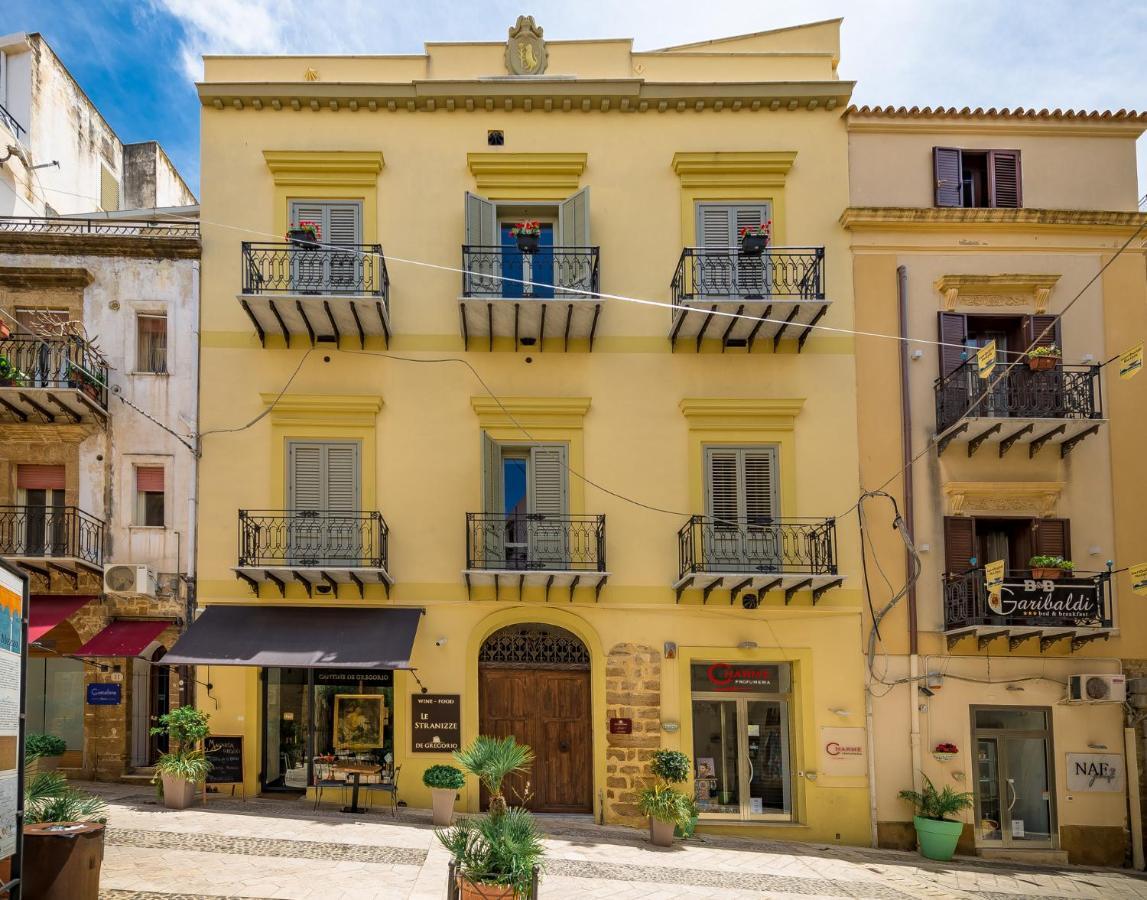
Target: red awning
48,612
123,638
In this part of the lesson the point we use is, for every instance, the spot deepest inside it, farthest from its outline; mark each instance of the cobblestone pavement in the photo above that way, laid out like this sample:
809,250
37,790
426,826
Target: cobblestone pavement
270,849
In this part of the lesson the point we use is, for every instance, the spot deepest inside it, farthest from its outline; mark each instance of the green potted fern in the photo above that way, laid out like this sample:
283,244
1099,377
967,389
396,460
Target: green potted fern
491,761
666,807
181,770
444,782
936,833
495,857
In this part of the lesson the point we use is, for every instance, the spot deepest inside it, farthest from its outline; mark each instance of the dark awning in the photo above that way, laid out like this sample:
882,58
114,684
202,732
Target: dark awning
123,638
298,636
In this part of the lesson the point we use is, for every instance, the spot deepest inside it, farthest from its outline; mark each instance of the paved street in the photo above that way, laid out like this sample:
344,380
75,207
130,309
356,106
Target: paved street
281,849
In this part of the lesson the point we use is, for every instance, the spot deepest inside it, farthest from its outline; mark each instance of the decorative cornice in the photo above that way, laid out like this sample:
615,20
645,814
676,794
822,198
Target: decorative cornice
530,412
47,433
909,217
1037,497
526,176
996,290
760,414
296,168
358,410
747,169
36,278
1123,123
138,246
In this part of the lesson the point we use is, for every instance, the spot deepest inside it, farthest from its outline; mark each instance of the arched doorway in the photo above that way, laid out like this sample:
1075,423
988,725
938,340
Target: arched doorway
151,691
533,683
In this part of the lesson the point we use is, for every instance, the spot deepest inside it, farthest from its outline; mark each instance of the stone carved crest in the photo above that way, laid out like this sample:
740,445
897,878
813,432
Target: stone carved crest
526,50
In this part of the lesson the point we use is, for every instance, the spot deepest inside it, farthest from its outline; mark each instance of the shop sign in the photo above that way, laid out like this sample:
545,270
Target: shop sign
1054,603
740,677
1139,578
105,694
986,359
621,726
345,677
13,606
842,751
225,753
1131,362
1093,772
436,723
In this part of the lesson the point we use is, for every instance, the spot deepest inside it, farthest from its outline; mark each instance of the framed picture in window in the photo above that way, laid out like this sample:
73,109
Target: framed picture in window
359,721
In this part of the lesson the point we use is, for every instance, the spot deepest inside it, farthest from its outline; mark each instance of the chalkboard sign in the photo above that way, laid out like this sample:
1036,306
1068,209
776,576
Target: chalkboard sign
225,753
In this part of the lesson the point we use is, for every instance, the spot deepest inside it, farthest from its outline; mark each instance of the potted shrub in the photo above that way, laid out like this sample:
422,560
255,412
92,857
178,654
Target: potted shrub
63,840
183,768
1050,568
45,750
1043,358
936,833
444,783
496,857
755,238
527,234
491,760
10,376
666,807
305,235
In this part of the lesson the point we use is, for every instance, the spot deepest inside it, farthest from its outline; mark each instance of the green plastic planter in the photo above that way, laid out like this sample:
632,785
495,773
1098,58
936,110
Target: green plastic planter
937,838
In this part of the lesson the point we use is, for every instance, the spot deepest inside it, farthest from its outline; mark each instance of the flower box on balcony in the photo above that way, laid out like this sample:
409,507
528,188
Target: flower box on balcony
754,239
1050,568
1042,359
305,235
527,235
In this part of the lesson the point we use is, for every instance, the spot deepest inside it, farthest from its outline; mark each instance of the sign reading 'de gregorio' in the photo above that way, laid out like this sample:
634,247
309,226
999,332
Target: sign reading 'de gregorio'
436,723
1091,772
741,677
842,751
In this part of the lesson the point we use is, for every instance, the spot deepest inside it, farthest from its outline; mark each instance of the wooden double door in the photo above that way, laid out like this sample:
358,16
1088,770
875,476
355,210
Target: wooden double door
548,709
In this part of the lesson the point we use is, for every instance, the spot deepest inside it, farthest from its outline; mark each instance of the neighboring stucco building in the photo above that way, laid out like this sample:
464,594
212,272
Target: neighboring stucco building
632,546
99,343
969,227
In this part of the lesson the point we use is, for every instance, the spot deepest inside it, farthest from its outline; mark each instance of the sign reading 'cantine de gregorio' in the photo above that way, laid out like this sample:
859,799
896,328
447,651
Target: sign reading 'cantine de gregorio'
436,723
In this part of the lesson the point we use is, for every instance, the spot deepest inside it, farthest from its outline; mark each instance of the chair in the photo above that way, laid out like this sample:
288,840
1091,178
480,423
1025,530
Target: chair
391,789
324,777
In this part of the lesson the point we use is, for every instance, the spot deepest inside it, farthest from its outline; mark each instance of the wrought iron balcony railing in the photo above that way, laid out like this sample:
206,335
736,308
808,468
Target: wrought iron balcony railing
357,270
506,272
60,532
149,228
1065,392
768,546
1080,601
15,127
312,539
535,543
58,363
789,273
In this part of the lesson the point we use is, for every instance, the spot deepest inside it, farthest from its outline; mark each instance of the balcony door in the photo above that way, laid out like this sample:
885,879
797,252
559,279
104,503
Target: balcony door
725,272
40,490
325,507
741,502
526,505
972,542
326,270
45,363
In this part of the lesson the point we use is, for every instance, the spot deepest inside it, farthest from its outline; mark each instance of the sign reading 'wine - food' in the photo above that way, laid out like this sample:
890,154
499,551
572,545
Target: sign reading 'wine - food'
1028,601
436,723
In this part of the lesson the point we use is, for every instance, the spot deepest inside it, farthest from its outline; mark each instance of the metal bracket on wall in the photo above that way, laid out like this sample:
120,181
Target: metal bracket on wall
1037,444
799,586
982,640
1015,640
943,442
1079,641
709,588
1006,443
1046,643
974,443
1066,447
737,588
817,593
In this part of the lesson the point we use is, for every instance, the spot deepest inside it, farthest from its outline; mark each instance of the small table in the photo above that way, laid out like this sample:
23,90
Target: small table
356,771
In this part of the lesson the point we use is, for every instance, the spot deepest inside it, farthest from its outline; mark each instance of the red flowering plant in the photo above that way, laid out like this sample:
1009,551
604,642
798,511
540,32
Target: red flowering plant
314,232
946,747
757,230
529,226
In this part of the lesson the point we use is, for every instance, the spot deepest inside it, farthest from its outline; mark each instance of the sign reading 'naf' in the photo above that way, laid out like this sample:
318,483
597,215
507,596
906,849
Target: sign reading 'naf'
1091,772
436,723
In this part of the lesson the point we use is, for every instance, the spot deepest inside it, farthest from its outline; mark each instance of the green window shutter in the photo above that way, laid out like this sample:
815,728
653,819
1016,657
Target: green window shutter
323,476
342,477
760,484
573,220
714,226
481,222
722,486
741,484
491,475
548,480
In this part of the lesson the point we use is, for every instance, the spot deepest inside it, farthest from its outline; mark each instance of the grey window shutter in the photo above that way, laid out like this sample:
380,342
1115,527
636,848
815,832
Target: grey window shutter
343,224
948,172
309,212
306,476
481,222
714,226
722,488
760,485
491,475
573,220
342,477
548,480
323,476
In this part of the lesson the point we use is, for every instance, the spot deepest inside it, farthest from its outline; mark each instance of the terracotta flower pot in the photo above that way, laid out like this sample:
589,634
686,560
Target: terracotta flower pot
469,891
1047,574
47,764
661,833
442,800
62,861
1042,363
178,793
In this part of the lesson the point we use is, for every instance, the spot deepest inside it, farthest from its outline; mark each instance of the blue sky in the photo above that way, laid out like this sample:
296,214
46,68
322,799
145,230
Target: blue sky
138,59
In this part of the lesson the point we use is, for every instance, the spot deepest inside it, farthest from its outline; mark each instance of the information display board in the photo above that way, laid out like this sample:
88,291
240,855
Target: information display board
13,652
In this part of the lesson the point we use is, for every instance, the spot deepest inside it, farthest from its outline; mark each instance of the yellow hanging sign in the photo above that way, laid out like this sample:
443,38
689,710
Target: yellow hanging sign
1138,578
993,580
986,359
1131,362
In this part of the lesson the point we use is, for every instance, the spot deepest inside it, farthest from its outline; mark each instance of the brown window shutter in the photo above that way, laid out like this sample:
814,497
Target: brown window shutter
1004,179
953,330
1035,326
1051,537
947,167
959,543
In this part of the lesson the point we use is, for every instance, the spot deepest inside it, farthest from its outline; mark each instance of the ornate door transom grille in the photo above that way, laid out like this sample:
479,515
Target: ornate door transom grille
534,647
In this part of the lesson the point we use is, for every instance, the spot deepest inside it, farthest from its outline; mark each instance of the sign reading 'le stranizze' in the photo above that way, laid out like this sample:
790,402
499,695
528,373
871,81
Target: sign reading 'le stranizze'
1076,602
740,677
436,723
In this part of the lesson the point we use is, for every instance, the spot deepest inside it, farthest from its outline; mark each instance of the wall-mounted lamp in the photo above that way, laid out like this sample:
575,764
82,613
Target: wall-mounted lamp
840,711
670,727
1094,550
1091,745
747,645
916,354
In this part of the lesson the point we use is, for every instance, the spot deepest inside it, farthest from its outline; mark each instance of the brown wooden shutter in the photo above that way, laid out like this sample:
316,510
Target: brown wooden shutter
1034,326
959,543
953,330
1004,178
1051,537
948,167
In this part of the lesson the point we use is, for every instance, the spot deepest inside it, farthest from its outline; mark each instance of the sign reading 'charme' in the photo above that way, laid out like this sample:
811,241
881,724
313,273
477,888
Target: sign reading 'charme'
740,677
1049,602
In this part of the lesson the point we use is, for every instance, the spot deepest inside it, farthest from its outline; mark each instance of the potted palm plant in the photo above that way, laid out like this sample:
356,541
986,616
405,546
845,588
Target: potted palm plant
491,760
183,768
495,857
755,238
444,783
44,750
1043,358
666,807
937,834
1050,568
527,234
305,235
63,839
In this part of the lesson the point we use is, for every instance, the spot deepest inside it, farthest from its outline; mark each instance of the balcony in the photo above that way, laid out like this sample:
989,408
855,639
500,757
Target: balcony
319,549
52,380
536,549
740,557
781,291
9,121
321,293
113,228
1059,406
1075,609
46,539
529,297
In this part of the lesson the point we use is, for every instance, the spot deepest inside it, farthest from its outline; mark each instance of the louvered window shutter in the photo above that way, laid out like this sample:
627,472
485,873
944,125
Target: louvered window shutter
759,482
953,335
342,224
714,227
1004,178
959,543
1051,537
37,477
1035,328
548,480
573,220
306,476
342,477
481,222
309,212
948,170
722,485
747,217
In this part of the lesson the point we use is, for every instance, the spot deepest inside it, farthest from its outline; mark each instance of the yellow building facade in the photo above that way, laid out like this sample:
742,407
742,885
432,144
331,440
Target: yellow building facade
1012,228
581,492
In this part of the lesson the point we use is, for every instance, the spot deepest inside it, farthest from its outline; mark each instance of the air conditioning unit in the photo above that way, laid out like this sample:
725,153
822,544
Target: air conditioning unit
129,579
1097,688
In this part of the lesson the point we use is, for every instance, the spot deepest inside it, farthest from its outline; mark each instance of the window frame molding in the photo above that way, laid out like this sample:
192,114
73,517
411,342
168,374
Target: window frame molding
153,309
326,175
732,176
527,176
134,461
988,499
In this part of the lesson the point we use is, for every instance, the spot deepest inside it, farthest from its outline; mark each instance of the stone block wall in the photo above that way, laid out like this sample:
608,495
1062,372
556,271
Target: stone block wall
632,691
